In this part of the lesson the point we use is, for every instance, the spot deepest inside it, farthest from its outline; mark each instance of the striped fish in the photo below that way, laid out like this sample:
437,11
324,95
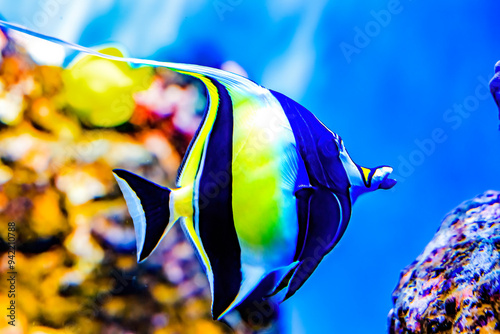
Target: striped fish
264,192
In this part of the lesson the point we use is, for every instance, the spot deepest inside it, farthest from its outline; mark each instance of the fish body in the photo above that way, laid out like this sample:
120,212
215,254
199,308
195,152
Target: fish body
264,192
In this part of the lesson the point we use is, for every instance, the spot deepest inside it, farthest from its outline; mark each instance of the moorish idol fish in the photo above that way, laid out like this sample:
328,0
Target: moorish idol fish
264,191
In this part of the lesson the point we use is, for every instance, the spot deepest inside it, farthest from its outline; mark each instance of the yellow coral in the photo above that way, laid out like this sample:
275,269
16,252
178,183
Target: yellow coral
100,90
57,186
206,327
57,309
46,330
125,262
82,184
84,246
5,174
43,112
165,294
115,306
21,322
47,218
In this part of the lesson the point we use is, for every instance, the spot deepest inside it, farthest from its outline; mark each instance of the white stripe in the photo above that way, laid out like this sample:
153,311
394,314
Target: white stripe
136,212
196,215
251,277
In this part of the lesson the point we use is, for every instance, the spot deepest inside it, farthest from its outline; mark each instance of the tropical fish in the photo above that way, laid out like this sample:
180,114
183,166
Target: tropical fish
264,191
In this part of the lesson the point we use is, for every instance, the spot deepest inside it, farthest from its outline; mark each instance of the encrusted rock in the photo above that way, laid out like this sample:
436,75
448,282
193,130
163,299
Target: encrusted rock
454,285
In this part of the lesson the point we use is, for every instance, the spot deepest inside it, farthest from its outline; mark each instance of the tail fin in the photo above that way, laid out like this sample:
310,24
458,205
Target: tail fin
148,204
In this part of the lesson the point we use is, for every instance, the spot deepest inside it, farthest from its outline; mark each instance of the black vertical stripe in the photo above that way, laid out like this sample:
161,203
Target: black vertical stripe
318,211
324,168
303,195
216,224
307,130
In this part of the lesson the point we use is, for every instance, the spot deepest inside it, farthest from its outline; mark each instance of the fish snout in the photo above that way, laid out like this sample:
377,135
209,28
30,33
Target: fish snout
381,178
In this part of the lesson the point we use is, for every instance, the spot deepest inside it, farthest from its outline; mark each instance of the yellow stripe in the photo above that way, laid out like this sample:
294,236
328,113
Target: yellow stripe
262,206
366,173
182,202
189,224
188,173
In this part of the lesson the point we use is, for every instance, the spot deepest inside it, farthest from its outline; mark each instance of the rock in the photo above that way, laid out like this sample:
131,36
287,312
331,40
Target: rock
454,285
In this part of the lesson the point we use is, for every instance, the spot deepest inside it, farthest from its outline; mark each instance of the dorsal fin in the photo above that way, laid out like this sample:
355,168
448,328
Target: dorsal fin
203,73
224,77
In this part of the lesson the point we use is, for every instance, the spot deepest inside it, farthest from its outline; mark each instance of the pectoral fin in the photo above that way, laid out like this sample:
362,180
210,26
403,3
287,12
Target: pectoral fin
323,212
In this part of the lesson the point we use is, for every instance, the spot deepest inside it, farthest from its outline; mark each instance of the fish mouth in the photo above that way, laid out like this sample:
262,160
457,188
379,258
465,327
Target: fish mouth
387,183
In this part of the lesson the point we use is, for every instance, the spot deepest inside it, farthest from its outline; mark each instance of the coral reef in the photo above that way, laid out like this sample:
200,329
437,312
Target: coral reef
454,285
75,258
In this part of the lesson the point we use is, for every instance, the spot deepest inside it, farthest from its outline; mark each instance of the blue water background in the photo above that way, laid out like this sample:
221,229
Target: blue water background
386,100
